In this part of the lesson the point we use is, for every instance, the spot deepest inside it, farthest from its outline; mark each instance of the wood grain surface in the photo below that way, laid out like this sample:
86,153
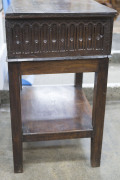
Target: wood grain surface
57,8
52,112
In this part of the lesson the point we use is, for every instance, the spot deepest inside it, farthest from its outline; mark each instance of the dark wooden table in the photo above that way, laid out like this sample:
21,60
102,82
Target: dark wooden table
45,37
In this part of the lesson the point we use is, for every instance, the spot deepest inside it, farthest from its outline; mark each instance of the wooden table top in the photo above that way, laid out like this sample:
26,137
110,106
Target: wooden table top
57,8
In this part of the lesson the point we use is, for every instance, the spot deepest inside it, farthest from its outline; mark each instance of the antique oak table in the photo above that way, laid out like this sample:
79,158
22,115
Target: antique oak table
58,36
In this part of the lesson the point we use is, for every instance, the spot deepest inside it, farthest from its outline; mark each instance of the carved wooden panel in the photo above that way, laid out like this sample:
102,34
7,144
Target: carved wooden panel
56,38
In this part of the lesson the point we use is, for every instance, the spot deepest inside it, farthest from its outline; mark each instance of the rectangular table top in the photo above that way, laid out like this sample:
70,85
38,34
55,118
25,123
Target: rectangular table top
57,8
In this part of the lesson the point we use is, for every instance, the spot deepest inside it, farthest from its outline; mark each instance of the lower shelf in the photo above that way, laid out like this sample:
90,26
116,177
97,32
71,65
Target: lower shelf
55,112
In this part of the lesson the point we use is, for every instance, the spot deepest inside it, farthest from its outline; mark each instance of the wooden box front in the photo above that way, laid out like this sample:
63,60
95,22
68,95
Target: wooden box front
37,38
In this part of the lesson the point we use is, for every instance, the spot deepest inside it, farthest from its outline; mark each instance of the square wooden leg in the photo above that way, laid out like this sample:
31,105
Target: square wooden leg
15,105
78,79
98,112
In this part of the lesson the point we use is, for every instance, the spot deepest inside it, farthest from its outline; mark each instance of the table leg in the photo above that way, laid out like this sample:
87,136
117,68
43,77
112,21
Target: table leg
98,112
21,82
78,79
16,124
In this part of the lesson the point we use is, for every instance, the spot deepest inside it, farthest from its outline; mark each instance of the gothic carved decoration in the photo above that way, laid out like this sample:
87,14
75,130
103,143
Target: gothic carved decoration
55,38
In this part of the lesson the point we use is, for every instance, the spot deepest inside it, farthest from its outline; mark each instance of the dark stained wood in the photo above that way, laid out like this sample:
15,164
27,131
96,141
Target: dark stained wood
51,67
58,37
98,112
21,82
78,79
55,112
58,28
70,36
57,8
15,106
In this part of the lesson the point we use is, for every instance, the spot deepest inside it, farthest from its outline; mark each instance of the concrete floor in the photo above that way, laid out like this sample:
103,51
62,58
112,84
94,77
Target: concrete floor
63,160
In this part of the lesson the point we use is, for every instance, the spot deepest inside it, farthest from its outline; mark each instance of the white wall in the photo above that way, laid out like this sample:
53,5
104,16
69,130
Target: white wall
3,64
